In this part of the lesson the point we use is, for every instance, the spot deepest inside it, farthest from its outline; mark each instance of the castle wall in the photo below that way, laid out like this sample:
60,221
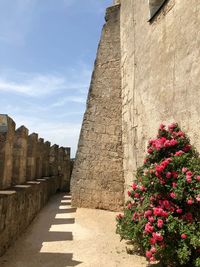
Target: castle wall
97,178
160,74
24,159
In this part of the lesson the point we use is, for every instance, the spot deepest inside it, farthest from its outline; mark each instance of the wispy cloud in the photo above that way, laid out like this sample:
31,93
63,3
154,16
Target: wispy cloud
72,99
37,85
50,104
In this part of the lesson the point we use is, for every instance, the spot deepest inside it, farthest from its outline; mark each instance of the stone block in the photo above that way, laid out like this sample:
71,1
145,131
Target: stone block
31,156
7,134
20,156
53,160
39,157
46,155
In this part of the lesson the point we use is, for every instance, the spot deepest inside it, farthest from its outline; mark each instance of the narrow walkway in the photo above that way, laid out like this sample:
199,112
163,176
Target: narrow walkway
62,236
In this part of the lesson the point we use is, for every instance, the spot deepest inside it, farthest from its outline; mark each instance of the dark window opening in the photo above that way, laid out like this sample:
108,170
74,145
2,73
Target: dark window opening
154,7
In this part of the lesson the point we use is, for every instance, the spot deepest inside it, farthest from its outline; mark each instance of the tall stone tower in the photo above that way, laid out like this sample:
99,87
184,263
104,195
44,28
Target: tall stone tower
97,178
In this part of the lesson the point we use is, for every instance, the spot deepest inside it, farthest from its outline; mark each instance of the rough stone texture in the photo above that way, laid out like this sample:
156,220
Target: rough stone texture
97,178
40,157
20,204
64,168
45,162
7,133
20,156
31,157
53,160
160,74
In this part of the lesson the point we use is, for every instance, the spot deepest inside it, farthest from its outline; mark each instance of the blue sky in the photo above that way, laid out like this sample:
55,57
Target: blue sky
47,52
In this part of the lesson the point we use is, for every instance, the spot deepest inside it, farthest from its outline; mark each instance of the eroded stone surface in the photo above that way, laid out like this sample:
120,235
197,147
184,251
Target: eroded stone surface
32,155
97,178
7,133
20,155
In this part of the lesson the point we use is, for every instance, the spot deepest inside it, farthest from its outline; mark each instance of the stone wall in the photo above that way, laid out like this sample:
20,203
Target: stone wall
160,74
97,178
30,172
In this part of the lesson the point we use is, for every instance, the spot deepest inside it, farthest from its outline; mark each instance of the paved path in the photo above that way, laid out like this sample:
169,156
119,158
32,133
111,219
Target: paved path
62,236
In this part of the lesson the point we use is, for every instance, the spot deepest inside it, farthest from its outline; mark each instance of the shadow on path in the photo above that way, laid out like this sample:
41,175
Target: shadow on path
43,244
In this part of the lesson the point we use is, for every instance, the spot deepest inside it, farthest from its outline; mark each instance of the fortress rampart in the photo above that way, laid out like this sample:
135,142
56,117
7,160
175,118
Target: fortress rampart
31,170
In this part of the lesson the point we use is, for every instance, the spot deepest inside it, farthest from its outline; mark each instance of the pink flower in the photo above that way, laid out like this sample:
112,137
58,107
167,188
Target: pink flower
174,184
180,133
149,228
179,153
190,201
162,126
129,193
160,223
172,126
150,150
198,178
179,211
134,186
165,214
142,188
129,206
147,213
153,250
173,142
152,259
158,211
175,175
120,216
188,179
187,148
184,169
148,254
188,216
183,236
198,198
157,236
137,195
152,241
151,219
159,168
189,173
167,143
166,204
168,175
172,195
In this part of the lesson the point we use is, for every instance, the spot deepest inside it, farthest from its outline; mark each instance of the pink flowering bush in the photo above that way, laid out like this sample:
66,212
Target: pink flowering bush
162,215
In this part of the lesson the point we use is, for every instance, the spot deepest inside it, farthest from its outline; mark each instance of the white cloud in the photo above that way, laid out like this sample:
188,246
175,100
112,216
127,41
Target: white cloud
37,85
73,99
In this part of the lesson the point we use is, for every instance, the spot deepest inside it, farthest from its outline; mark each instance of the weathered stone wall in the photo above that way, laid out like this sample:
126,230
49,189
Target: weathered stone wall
25,179
97,178
160,74
20,205
20,156
7,134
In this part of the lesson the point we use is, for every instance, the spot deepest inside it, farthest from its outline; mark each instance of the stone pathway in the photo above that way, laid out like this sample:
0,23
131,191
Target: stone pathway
62,236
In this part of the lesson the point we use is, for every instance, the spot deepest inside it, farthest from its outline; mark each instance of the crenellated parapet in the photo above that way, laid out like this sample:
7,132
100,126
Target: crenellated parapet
25,158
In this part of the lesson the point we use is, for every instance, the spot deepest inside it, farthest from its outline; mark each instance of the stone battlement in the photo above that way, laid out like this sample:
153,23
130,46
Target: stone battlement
31,170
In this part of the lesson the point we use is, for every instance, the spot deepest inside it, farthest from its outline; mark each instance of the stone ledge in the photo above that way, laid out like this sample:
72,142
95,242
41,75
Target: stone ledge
20,204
